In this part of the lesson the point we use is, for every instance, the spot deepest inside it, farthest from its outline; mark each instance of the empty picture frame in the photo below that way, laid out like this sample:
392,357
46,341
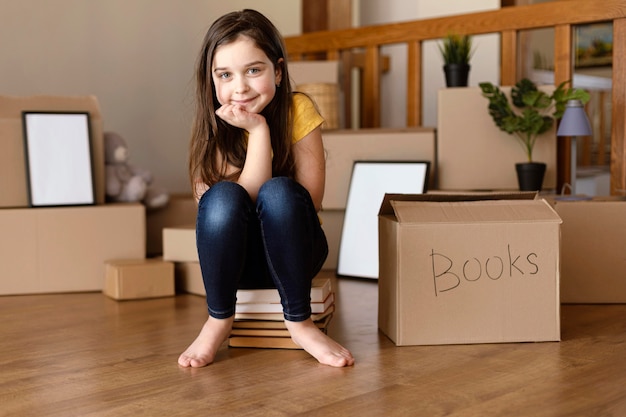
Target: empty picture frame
58,158
370,181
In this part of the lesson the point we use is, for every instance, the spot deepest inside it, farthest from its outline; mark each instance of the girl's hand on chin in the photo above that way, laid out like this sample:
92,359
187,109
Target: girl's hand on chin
238,116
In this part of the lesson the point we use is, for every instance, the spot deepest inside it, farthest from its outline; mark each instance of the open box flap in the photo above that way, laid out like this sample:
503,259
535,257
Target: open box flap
387,209
483,211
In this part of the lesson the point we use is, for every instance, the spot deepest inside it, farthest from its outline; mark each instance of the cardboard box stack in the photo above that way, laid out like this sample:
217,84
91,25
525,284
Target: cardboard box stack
458,269
58,249
179,247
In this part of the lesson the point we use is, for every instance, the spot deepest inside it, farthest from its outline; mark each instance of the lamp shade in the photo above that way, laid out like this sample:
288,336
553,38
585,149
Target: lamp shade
574,121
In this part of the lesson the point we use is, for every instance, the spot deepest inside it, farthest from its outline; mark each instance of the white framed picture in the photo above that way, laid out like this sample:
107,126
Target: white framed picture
370,181
58,158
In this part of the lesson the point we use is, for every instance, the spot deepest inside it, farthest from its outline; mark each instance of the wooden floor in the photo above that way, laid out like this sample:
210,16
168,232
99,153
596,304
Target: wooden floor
87,355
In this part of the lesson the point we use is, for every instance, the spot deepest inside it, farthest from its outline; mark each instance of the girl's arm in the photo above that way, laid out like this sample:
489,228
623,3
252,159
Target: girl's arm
257,168
311,165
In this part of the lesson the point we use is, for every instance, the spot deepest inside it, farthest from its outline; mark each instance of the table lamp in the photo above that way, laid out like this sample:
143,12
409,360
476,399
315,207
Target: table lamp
574,123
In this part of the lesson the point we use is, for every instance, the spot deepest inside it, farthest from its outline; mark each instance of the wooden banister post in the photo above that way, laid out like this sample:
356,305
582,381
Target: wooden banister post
508,57
618,143
414,84
371,88
563,72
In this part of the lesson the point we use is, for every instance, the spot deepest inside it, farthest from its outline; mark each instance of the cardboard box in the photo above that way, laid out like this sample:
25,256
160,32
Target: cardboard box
130,279
593,250
474,154
344,147
332,224
181,210
454,271
179,244
13,176
51,250
189,278
304,72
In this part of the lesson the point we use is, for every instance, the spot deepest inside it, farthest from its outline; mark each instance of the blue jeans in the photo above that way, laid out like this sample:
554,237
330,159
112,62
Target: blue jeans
276,243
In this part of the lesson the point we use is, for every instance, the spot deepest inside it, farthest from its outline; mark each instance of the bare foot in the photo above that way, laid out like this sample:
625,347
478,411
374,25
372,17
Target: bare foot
203,350
328,352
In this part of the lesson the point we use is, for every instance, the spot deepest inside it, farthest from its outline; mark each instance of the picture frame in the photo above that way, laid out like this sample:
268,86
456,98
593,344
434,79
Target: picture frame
370,181
59,164
593,45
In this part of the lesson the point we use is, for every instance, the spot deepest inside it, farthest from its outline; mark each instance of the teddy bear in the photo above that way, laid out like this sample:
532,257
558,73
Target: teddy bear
125,182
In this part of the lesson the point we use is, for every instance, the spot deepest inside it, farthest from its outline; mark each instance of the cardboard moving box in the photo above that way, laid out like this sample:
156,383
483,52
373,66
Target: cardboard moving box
332,224
130,279
593,250
64,249
344,147
179,244
474,154
478,271
189,278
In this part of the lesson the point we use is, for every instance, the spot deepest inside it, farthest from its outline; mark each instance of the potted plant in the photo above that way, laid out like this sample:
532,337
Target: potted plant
533,113
456,51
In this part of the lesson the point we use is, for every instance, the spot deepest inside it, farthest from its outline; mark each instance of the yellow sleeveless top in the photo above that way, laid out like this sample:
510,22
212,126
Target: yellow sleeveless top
305,117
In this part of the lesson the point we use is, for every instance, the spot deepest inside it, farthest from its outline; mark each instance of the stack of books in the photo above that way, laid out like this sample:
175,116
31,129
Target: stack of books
259,320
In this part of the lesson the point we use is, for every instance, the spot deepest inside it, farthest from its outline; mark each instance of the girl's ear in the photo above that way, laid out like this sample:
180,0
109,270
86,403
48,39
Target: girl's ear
279,71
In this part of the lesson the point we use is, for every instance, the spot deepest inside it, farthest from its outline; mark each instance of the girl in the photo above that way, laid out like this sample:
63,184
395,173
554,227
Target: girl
258,170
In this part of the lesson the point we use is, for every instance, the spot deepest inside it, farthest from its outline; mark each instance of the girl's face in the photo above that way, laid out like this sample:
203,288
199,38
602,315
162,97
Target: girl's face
243,75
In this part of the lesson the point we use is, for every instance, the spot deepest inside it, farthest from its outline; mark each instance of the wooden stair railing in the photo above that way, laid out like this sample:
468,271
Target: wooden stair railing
561,15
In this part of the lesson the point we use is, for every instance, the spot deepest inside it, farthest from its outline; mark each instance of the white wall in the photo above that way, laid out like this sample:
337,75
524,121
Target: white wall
485,62
136,56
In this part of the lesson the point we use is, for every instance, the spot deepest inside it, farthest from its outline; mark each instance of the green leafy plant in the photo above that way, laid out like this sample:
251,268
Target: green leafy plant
456,49
534,111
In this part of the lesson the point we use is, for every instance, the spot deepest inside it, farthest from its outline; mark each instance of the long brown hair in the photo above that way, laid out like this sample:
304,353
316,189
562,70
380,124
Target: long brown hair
210,134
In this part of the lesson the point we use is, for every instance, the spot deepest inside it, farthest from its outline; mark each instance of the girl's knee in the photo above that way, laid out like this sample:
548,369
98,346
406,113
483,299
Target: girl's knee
221,204
224,190
224,195
283,199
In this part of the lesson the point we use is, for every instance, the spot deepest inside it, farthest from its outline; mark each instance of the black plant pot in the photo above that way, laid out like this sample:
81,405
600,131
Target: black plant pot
530,175
456,74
